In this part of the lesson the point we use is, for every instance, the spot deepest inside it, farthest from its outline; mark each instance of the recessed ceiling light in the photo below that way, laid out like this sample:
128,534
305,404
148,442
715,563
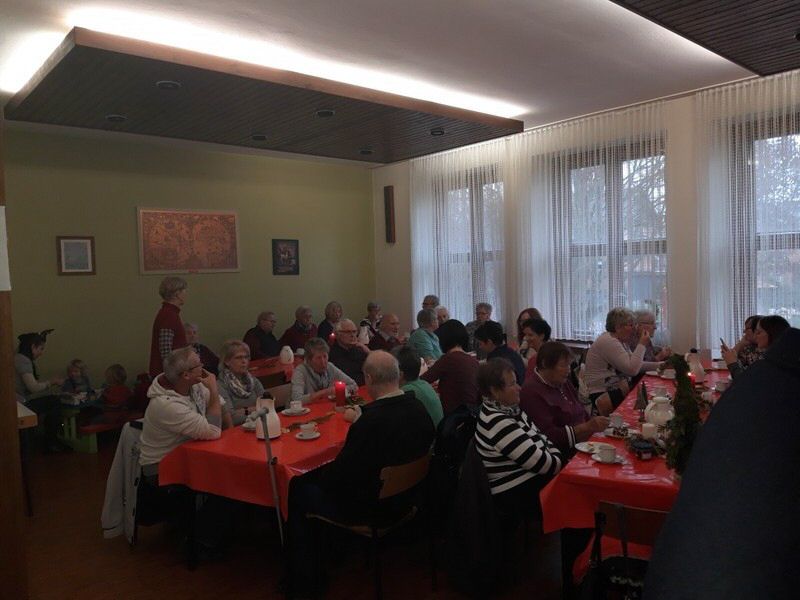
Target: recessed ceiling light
259,137
365,151
166,84
437,131
325,113
114,118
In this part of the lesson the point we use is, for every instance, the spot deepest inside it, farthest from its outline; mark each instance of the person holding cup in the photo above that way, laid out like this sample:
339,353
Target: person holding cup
236,385
313,380
550,400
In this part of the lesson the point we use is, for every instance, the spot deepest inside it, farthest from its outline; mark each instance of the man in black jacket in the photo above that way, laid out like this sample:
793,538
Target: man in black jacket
734,531
394,429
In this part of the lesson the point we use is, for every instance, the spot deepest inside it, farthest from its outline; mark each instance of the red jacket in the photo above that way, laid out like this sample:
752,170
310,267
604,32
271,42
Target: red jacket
167,318
295,337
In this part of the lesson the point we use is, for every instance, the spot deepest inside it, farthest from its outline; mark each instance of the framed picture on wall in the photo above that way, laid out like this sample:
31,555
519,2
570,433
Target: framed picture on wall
188,241
75,255
285,257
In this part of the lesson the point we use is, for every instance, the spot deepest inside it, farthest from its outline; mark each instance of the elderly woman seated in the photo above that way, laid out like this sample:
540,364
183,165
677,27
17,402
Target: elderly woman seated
313,380
236,385
551,402
766,331
646,319
610,363
519,459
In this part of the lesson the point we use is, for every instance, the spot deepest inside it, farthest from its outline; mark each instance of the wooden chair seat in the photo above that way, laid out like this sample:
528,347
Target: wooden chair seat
366,529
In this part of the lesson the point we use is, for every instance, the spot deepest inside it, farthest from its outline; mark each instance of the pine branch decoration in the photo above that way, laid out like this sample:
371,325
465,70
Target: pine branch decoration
682,429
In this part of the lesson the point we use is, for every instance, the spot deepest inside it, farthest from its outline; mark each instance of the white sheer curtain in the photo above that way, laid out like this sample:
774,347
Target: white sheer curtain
748,205
591,218
457,236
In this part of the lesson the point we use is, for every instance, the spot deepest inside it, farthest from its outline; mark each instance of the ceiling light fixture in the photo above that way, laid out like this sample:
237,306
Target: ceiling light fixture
326,113
28,54
115,118
259,137
437,131
232,45
167,84
365,151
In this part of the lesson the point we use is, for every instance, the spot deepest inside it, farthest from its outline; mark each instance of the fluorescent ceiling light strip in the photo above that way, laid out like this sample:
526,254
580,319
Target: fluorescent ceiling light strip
188,36
26,57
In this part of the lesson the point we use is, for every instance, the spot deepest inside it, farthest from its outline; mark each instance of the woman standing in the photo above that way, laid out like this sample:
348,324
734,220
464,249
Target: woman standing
34,391
236,385
456,371
168,333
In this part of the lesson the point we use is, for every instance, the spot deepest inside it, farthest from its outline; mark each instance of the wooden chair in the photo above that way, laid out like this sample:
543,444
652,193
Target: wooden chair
394,480
629,525
281,394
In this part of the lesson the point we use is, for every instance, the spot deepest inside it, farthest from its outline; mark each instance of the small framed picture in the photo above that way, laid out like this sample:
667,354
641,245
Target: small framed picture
75,255
285,257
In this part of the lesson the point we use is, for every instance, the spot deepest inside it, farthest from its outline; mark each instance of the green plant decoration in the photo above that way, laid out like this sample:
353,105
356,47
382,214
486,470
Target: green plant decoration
682,429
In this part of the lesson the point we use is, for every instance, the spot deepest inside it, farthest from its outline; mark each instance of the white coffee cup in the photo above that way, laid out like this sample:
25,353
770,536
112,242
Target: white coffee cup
607,453
295,405
649,431
669,373
308,429
615,420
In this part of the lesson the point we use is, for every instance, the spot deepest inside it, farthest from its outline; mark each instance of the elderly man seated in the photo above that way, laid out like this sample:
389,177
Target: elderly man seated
442,314
184,405
347,352
207,356
388,335
302,330
483,314
430,302
423,340
313,380
261,339
394,429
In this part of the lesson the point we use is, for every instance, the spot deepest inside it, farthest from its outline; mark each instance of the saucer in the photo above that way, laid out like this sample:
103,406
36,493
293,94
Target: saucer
668,376
589,447
249,425
304,437
291,413
618,460
652,373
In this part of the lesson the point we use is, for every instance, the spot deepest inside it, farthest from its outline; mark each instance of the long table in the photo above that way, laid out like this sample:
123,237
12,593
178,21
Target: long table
26,418
235,465
571,498
270,372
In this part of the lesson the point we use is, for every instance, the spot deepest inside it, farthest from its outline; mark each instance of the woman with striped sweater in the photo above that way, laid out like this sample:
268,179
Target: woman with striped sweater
518,458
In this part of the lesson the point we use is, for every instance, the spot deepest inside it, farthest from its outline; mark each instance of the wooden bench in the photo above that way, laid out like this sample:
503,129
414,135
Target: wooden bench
83,438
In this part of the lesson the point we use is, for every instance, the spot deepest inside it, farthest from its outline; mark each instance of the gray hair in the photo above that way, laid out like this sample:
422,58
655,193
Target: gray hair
263,315
431,299
300,310
483,305
330,307
231,347
178,362
373,305
341,323
617,317
643,314
170,286
382,368
191,326
426,317
315,345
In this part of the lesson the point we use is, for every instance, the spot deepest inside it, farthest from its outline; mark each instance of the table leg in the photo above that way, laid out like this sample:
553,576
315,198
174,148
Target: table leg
24,450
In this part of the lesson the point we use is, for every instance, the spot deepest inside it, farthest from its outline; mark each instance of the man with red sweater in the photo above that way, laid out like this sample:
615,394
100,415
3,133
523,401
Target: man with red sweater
302,330
168,332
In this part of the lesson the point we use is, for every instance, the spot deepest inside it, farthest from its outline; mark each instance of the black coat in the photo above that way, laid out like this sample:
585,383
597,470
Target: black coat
391,431
734,531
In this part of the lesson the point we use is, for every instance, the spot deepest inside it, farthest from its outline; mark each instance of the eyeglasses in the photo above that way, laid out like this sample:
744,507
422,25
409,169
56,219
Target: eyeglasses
353,331
192,368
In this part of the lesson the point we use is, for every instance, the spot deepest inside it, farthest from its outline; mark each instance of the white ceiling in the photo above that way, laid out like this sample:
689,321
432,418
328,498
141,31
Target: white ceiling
554,59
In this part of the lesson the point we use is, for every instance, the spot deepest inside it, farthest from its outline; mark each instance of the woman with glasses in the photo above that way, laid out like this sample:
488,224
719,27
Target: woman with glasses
237,386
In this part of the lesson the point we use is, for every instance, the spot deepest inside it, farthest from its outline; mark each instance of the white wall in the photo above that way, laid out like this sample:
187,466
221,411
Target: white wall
393,262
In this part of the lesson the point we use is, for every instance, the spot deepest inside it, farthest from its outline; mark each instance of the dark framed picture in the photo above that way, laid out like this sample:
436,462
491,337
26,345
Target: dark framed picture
75,255
285,257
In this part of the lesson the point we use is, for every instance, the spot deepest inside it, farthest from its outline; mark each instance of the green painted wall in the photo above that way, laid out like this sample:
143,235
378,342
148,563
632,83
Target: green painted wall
66,184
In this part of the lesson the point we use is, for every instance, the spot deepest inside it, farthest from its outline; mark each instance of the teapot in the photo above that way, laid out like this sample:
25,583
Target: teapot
286,355
659,411
273,421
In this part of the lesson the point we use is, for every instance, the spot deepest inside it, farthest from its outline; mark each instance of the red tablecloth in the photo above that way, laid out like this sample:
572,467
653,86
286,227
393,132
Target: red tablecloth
571,498
235,466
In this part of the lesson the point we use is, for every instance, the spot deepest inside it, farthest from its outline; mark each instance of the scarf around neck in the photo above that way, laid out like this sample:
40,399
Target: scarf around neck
238,387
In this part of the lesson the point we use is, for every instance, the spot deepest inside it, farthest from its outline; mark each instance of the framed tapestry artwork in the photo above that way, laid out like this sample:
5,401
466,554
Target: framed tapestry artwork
75,255
285,257
188,241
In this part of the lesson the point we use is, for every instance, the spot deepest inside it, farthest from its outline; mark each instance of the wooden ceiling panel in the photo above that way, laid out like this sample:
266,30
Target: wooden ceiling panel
756,34
93,75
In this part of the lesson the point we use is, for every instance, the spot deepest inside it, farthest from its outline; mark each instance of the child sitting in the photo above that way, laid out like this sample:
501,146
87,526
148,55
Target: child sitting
77,381
116,394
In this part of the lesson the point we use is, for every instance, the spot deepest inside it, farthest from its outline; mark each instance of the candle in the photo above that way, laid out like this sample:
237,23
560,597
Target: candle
692,379
341,392
331,339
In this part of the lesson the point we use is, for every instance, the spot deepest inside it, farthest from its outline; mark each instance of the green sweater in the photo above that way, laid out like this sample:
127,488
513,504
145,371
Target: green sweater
429,398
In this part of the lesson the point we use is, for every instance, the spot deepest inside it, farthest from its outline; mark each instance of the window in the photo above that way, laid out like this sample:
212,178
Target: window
469,245
767,239
610,227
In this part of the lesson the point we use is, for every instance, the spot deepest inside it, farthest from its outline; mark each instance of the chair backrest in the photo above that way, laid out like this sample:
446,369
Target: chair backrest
281,394
396,480
638,525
